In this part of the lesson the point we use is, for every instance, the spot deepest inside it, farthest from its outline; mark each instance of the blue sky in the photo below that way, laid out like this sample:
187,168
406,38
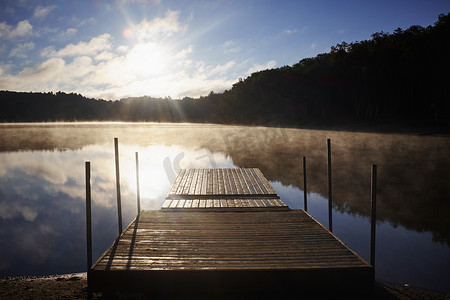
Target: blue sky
114,49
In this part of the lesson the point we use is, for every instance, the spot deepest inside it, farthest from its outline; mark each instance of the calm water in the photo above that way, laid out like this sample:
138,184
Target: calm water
42,192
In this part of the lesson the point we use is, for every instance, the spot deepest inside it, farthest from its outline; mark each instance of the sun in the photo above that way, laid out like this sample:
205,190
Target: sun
147,60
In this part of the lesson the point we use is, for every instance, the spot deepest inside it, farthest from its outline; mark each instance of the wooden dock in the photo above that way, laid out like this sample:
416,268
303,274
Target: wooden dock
226,232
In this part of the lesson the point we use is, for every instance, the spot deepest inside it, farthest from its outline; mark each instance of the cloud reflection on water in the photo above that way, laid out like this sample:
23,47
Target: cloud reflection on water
42,201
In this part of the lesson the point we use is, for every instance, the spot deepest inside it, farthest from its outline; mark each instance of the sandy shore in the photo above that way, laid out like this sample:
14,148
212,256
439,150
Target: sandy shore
74,286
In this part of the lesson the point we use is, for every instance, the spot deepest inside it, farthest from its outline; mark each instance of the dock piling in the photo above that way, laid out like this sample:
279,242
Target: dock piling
138,192
373,215
88,215
119,201
304,185
330,194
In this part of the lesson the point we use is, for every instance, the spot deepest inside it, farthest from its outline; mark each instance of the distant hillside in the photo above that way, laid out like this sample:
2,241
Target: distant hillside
400,78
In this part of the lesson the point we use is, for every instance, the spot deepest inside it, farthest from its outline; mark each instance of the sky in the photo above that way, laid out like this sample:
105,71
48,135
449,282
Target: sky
169,48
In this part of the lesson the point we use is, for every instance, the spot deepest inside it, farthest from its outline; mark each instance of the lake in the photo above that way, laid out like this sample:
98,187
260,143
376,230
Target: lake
42,188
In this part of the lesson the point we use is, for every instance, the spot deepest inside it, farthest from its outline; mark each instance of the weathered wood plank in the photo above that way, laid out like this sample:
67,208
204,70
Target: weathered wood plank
182,182
260,178
248,183
226,182
204,182
215,182
188,204
252,183
221,186
237,180
181,203
166,203
188,182
177,182
198,183
198,187
194,182
245,183
246,240
209,189
230,180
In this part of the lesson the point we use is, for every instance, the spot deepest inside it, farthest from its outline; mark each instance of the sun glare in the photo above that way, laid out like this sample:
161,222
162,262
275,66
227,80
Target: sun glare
153,179
146,60
128,33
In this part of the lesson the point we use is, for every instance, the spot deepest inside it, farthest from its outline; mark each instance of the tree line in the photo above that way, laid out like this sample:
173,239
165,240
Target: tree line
399,78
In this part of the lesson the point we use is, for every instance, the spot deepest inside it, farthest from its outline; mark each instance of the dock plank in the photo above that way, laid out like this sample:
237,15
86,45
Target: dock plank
194,182
221,186
260,178
233,183
287,246
177,182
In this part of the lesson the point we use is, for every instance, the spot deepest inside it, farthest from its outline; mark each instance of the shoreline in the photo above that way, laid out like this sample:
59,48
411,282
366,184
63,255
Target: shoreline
74,286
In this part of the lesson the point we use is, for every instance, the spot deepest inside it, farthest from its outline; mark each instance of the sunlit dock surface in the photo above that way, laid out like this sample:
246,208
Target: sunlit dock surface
244,242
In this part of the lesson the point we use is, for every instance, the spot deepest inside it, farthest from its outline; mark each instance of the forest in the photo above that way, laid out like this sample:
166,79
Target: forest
400,78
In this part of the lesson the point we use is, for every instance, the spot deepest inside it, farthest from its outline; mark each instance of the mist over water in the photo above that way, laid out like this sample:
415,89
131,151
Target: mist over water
42,192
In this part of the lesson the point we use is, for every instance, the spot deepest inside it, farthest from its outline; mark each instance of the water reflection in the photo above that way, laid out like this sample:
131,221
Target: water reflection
42,200
42,187
402,255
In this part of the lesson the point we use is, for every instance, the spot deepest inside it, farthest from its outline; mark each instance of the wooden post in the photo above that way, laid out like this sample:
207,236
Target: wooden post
88,215
373,215
304,185
138,192
330,194
119,201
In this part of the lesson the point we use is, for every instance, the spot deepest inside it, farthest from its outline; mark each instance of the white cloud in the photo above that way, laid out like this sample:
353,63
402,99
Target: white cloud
77,22
91,48
151,30
77,70
122,49
42,77
45,71
182,58
290,31
231,47
105,55
21,49
22,29
48,51
184,53
221,69
258,67
41,11
69,33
